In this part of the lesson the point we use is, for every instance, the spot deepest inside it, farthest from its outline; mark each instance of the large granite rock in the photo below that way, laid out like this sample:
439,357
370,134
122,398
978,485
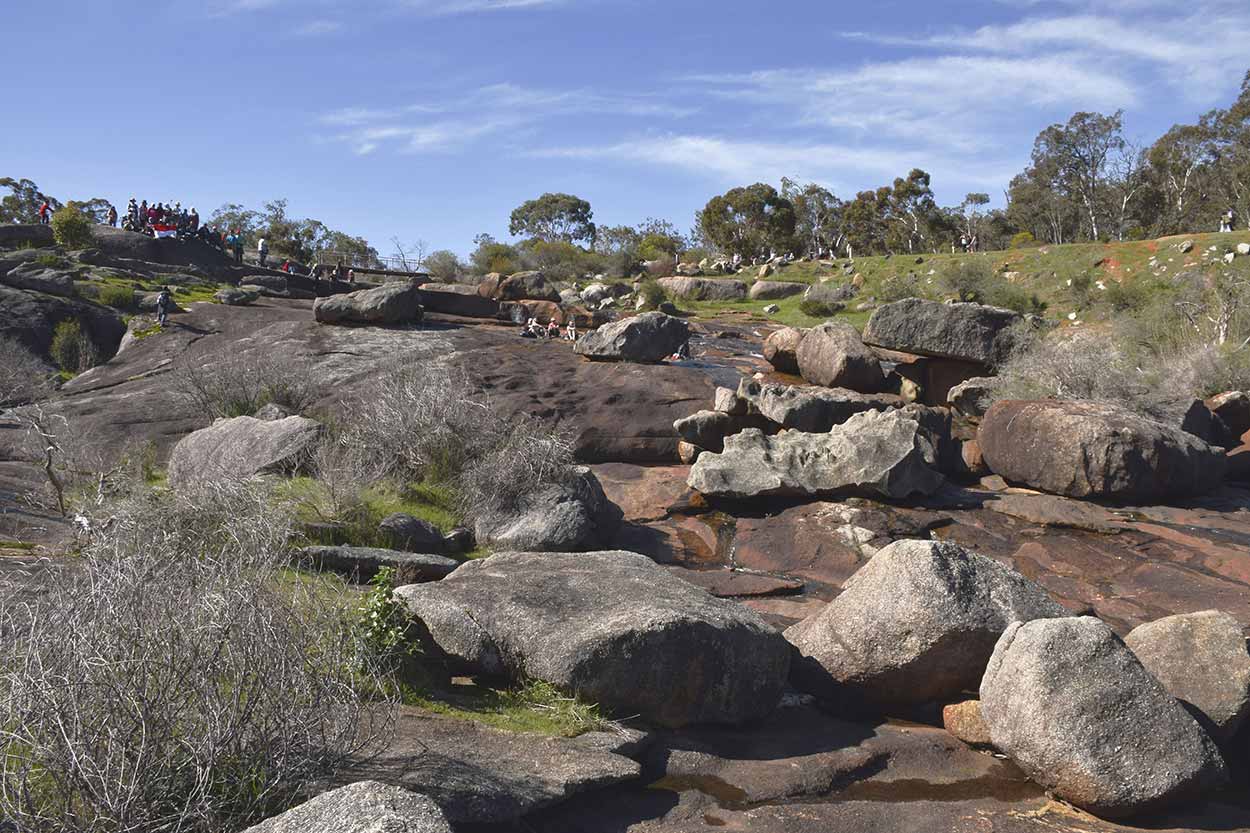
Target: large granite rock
407,533
877,453
527,286
242,447
479,775
647,338
830,293
704,289
360,564
707,430
814,410
971,332
1072,706
781,349
1094,449
398,302
363,807
457,299
50,280
570,516
774,290
32,317
917,623
615,628
1201,659
833,355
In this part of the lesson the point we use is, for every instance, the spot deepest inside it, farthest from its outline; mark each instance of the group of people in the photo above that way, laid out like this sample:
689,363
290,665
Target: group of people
533,329
158,219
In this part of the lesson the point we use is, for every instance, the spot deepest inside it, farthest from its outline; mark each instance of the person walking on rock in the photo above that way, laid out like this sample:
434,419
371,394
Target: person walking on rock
262,249
163,302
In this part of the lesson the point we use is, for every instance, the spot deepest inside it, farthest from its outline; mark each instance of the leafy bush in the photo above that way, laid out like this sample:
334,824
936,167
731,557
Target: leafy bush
560,260
176,678
820,309
72,349
444,266
974,280
1128,296
51,261
240,384
71,228
116,296
493,256
652,294
1023,240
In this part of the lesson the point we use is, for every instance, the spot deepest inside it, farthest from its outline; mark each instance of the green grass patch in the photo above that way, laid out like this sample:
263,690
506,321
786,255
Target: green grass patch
52,261
1098,281
23,546
361,512
534,707
118,296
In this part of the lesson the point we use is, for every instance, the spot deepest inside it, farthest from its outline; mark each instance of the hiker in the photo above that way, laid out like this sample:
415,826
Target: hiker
112,217
553,329
286,266
163,302
238,246
570,330
193,220
262,250
1226,220
43,213
351,275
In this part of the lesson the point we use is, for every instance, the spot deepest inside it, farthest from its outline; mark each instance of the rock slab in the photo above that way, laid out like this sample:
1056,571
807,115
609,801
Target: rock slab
833,355
570,516
1095,449
970,332
614,628
647,339
881,453
398,302
241,447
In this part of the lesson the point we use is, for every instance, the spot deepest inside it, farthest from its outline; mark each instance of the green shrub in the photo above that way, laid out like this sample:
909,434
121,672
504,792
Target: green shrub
1128,296
50,261
652,293
1023,240
72,349
71,228
116,296
975,281
820,309
493,256
443,266
1081,291
900,287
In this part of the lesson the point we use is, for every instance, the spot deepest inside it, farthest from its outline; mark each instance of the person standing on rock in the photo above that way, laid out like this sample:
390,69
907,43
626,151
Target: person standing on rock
262,249
1226,220
43,213
238,246
112,217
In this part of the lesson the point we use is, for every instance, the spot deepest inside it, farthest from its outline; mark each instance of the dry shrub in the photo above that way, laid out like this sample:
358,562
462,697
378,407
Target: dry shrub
176,678
240,384
23,375
429,423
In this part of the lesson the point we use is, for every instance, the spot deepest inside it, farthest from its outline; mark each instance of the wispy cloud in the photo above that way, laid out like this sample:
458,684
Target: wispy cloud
447,121
318,28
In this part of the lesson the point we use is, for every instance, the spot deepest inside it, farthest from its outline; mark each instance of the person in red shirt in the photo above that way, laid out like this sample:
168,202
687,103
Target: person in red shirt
43,213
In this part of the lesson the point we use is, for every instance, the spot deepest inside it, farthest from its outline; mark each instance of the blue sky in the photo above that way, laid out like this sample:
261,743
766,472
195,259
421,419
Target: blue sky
432,119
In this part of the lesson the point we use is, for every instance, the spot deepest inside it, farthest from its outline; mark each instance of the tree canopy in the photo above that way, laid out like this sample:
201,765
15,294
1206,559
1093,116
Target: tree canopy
554,217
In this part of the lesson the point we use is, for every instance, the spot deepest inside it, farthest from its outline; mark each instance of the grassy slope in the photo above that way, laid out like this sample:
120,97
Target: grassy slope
1044,270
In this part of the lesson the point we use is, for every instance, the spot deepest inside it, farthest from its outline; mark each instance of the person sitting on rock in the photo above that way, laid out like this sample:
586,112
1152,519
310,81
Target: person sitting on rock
570,329
553,329
532,329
